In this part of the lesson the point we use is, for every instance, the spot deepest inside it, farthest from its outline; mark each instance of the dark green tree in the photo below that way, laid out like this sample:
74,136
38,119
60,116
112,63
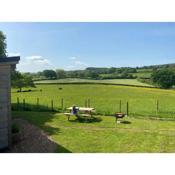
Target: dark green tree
94,75
112,70
50,74
60,73
2,44
21,80
164,78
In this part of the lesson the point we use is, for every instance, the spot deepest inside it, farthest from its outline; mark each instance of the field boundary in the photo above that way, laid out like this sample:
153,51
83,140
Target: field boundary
115,84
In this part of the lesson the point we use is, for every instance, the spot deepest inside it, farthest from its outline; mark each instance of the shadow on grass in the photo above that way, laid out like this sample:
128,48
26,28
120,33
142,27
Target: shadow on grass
41,120
125,122
87,120
27,90
23,106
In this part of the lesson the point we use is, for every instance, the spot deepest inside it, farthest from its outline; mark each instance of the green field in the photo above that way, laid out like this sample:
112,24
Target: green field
142,74
134,135
145,130
109,81
104,98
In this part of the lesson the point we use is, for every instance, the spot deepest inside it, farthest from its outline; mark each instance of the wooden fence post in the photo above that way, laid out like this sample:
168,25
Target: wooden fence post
62,103
24,103
37,103
52,105
89,105
18,103
157,106
127,108
85,103
120,106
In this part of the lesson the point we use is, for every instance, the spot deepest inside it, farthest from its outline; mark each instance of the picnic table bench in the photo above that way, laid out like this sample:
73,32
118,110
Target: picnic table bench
87,112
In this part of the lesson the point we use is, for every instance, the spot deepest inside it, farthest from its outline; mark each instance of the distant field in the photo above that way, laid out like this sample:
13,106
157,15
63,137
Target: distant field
110,81
105,98
142,74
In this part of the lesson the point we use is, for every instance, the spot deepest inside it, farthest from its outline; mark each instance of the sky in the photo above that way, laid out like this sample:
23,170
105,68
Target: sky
73,46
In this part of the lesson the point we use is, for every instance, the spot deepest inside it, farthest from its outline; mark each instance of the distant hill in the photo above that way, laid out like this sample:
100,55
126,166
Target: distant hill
143,73
106,69
170,65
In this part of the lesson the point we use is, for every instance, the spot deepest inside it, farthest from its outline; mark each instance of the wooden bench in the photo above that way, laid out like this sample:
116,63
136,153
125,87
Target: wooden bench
85,115
68,115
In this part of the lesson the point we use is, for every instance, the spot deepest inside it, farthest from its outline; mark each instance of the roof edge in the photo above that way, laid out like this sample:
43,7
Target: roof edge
9,59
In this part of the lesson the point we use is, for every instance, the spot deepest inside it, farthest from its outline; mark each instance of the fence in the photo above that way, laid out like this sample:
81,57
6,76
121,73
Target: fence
132,107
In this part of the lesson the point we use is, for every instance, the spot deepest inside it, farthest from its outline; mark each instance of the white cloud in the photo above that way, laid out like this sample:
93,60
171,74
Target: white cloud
76,64
13,54
34,57
73,58
34,63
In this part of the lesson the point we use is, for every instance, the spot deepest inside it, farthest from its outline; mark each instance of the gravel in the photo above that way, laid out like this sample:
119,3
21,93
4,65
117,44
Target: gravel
32,139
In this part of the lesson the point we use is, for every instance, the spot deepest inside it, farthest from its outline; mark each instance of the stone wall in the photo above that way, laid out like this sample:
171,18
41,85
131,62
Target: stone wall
5,108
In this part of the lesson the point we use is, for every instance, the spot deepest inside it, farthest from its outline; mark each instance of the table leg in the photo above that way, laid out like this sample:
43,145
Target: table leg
91,113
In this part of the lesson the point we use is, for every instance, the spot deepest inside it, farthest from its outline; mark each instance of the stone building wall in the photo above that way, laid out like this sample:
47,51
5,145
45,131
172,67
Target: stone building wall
5,108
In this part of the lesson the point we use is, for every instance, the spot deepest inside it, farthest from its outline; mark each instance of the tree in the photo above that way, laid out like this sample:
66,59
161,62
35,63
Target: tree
60,73
93,75
50,74
2,44
165,78
112,70
21,80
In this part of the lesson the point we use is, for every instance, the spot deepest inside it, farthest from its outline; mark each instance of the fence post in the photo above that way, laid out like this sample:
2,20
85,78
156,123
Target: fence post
89,103
37,103
24,103
157,106
52,105
18,103
120,106
85,103
62,103
127,108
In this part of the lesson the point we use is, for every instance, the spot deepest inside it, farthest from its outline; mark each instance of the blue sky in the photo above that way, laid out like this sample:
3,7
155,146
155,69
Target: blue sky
73,46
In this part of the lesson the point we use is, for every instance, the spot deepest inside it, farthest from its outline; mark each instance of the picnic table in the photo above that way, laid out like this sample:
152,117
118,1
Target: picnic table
84,111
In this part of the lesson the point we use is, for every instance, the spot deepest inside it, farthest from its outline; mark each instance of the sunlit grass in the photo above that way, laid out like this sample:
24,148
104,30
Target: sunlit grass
135,135
104,98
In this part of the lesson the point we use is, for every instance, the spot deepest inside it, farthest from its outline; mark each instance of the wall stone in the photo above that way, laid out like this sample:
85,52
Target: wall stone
6,65
5,118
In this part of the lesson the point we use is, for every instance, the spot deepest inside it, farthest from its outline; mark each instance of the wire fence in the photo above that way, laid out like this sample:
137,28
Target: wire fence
138,108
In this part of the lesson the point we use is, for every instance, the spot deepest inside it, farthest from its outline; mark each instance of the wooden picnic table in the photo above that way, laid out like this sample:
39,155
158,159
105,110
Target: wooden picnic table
83,109
87,111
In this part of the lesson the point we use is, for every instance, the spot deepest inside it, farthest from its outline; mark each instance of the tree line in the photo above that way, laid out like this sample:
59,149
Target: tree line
162,76
88,73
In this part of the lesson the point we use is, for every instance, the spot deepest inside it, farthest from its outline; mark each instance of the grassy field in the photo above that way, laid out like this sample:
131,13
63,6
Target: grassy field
104,98
103,135
110,81
142,74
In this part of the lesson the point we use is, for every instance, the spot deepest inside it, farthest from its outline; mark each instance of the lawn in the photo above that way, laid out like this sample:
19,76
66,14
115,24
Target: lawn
103,135
104,98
